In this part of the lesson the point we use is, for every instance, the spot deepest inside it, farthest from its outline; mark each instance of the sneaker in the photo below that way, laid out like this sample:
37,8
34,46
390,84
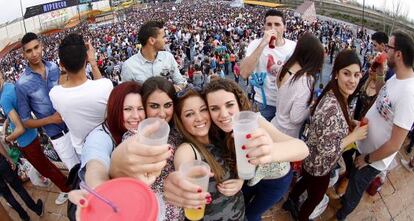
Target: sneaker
407,165
40,205
62,198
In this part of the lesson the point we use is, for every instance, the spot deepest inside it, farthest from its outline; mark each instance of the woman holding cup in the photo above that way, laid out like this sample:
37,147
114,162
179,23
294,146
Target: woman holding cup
225,200
124,113
264,145
267,144
331,129
158,95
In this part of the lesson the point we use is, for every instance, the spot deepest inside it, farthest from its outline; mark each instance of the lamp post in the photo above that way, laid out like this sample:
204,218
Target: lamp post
363,14
21,10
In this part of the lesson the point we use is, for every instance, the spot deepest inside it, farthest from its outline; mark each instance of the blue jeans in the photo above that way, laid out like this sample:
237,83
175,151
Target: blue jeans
264,195
268,112
358,183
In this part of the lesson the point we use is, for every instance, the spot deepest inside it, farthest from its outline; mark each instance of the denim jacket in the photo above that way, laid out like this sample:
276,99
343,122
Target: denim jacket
33,96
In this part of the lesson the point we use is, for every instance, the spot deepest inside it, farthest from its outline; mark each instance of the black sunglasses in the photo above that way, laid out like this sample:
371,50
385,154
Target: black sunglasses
189,87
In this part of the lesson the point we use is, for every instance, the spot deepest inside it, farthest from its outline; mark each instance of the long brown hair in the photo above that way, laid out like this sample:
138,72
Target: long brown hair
309,55
344,58
244,105
217,169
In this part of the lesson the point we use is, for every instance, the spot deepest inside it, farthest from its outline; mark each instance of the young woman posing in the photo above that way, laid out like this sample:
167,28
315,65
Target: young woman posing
331,129
225,98
192,118
158,95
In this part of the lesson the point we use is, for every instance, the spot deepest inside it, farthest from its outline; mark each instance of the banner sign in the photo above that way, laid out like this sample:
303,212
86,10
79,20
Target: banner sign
53,6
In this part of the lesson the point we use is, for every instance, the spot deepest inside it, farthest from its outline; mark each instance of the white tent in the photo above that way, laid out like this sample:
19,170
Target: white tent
307,10
237,4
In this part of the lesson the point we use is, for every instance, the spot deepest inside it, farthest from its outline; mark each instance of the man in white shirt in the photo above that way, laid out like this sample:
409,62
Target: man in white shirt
260,58
152,60
390,120
81,102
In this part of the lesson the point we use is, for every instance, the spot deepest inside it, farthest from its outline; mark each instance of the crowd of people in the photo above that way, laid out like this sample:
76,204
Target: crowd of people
88,88
211,39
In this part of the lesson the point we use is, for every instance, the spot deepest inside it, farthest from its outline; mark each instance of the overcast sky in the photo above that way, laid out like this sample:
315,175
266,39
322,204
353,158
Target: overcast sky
387,4
10,9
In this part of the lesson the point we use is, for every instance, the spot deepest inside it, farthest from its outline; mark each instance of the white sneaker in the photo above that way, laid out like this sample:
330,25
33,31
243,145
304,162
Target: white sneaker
61,199
407,165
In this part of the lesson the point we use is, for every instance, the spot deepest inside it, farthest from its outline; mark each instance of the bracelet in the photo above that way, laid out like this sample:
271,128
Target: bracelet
366,159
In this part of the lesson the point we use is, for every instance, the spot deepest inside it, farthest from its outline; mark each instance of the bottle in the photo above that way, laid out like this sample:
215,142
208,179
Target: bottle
364,122
272,42
377,183
375,186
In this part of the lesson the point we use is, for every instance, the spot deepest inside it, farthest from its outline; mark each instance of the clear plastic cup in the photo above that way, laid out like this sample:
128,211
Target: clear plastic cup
153,131
244,122
197,172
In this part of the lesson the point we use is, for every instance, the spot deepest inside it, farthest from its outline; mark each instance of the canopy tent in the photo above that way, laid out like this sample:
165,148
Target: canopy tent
307,10
237,4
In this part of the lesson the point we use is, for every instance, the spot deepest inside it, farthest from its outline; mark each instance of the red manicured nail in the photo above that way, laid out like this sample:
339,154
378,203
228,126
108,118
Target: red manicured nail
208,201
247,155
82,202
199,190
199,208
248,136
243,147
249,161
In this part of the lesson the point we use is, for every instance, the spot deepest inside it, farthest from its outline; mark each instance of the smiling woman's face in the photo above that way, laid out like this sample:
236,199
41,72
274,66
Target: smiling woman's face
222,106
133,111
160,105
195,117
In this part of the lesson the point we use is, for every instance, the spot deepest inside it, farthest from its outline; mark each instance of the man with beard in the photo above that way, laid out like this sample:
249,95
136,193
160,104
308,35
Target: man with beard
389,121
152,60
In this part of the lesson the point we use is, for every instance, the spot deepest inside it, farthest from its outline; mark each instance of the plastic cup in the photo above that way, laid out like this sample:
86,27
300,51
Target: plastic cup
134,200
197,172
153,131
244,122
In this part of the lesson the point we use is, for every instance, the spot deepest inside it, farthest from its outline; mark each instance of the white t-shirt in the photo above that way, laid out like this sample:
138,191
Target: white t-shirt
393,106
271,62
82,107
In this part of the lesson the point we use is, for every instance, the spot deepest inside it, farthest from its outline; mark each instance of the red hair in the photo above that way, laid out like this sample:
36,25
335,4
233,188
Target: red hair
114,110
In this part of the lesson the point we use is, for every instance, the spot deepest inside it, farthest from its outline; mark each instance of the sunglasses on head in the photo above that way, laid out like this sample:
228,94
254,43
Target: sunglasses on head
188,88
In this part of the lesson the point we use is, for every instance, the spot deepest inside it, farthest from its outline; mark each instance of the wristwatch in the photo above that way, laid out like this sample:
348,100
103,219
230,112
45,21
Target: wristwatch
366,159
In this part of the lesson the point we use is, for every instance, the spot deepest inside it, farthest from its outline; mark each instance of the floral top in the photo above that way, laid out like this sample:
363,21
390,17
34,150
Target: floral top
171,212
327,128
